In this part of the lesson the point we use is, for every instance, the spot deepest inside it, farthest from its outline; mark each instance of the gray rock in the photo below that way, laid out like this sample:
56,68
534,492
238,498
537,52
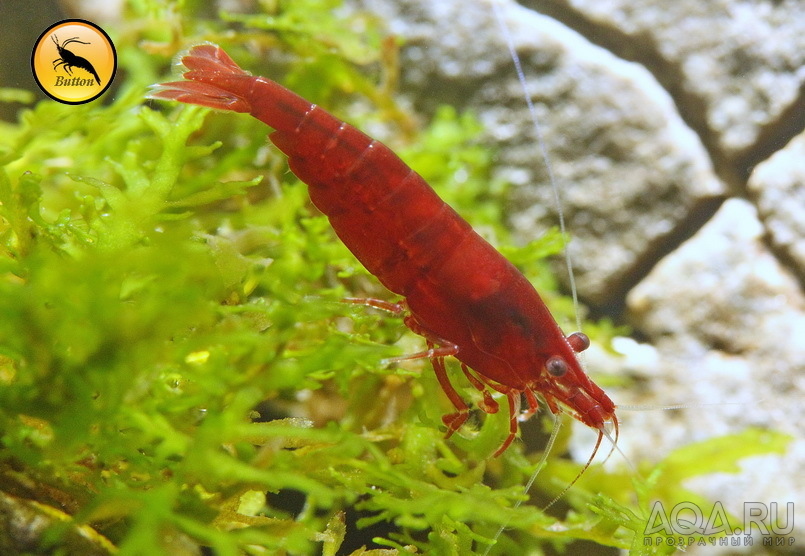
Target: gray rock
727,321
723,290
734,67
777,188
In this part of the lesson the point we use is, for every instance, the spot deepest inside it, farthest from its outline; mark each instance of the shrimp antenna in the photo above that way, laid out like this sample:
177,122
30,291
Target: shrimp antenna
504,28
662,407
543,149
601,433
615,448
557,424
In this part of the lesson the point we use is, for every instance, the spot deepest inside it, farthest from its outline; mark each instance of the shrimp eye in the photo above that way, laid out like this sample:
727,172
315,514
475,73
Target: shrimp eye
556,366
579,341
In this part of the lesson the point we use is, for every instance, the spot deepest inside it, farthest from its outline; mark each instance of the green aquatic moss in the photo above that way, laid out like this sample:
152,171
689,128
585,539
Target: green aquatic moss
175,361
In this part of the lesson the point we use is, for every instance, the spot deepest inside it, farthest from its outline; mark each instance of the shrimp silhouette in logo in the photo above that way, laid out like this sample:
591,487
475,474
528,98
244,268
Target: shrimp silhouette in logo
71,60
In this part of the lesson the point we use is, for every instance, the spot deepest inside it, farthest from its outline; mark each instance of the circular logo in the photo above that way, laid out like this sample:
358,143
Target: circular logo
74,61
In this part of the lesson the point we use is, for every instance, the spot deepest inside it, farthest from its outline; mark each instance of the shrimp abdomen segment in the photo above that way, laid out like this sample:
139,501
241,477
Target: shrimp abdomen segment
384,212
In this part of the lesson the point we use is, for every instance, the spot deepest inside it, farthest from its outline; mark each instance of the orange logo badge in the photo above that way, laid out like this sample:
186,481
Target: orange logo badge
74,61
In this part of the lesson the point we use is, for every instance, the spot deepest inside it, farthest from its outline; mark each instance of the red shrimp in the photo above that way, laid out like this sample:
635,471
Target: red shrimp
460,294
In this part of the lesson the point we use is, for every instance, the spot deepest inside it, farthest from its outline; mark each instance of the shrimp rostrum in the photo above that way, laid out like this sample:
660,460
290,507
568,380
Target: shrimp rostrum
460,294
